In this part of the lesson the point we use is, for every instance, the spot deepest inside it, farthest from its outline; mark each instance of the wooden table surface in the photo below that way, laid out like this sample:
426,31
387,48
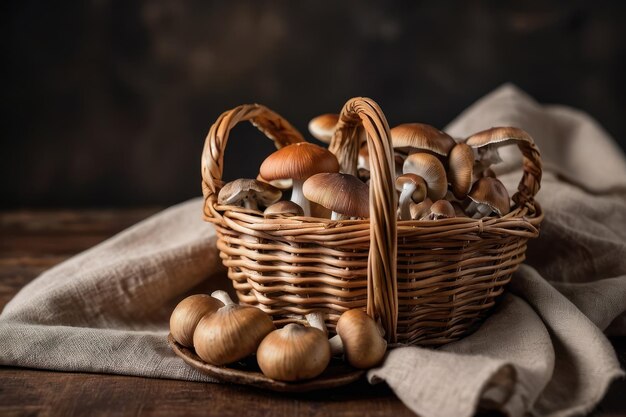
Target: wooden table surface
33,241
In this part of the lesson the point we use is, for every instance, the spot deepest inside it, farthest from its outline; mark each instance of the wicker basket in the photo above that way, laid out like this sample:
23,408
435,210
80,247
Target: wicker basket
429,282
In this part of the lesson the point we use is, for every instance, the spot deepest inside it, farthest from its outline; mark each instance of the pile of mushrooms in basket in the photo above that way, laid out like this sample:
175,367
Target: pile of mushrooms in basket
436,179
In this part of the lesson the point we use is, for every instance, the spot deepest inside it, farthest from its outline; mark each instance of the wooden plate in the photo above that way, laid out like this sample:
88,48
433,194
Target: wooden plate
247,372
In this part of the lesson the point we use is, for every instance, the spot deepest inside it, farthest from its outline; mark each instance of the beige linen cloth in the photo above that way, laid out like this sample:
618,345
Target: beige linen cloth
542,352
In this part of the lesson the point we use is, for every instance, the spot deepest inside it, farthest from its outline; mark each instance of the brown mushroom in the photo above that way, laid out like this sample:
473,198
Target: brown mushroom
360,339
488,195
410,137
283,208
248,192
322,127
421,210
441,209
431,170
298,161
344,194
460,169
488,141
412,190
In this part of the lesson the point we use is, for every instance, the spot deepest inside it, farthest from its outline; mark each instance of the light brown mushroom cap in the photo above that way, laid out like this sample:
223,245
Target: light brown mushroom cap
491,192
421,210
323,127
236,191
363,343
431,169
283,208
442,209
498,136
298,161
423,137
419,194
341,193
460,169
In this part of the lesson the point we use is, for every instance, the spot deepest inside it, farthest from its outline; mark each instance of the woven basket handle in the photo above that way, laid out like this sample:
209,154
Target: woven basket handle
264,119
382,291
531,178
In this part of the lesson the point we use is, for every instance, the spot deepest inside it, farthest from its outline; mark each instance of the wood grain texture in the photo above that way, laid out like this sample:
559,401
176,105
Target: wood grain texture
33,241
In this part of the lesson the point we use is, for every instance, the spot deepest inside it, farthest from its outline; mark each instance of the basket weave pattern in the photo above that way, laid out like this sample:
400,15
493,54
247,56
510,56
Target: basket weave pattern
429,282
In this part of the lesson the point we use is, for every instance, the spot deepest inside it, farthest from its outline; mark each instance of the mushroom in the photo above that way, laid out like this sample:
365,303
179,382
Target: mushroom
360,339
298,161
421,210
488,195
344,194
249,192
488,141
294,353
188,313
231,333
410,137
413,190
460,169
431,170
283,208
441,209
323,127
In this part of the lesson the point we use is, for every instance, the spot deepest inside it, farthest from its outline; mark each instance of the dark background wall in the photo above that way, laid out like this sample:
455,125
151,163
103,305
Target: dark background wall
107,103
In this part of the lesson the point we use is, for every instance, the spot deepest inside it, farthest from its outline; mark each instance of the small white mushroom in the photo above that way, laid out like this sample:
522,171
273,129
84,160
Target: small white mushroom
412,190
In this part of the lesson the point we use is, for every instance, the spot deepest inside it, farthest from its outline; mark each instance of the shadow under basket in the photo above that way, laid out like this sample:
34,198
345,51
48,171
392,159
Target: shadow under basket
429,282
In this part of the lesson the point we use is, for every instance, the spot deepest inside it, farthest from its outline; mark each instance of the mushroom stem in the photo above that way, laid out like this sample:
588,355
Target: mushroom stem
250,203
336,345
297,196
338,216
223,297
316,319
405,201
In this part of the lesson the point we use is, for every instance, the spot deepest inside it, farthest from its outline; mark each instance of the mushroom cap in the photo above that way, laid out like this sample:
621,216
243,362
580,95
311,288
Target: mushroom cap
235,191
298,161
231,333
363,343
421,210
442,209
341,193
323,126
188,313
431,169
418,182
498,136
492,192
461,169
294,353
422,136
283,208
